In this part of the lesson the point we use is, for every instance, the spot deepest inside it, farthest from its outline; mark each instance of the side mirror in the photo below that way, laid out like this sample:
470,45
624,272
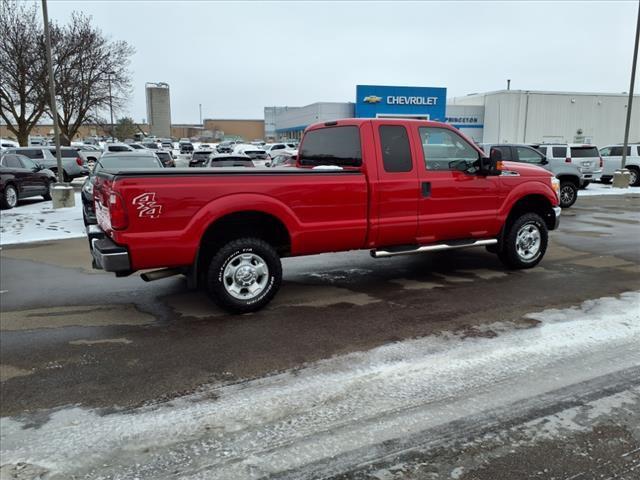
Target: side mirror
268,164
544,161
491,165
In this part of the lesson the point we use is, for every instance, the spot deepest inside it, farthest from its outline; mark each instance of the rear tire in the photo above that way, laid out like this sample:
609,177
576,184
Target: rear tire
568,194
244,275
525,243
634,176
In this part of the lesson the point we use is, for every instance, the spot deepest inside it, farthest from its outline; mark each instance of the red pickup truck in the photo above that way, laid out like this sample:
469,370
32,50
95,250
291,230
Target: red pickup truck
392,186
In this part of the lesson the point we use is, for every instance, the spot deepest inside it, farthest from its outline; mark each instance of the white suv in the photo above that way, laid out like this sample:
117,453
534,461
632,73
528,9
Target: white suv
612,157
585,157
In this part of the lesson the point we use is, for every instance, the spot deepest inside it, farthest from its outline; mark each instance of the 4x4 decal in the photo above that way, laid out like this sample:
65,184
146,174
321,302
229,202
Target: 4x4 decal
147,206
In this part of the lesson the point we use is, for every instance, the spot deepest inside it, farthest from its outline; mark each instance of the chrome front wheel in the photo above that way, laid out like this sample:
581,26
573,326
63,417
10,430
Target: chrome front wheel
528,242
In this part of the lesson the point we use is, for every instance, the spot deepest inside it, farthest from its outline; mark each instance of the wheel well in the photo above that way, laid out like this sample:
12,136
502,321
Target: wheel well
570,178
243,224
532,204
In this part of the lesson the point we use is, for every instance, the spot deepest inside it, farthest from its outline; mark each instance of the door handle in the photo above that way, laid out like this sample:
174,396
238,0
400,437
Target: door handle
426,189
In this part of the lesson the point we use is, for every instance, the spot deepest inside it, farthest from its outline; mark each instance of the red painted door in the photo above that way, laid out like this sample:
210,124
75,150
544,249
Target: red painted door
455,202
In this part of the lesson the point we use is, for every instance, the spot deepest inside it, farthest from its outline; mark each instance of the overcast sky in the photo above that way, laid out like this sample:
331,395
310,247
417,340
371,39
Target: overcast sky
237,57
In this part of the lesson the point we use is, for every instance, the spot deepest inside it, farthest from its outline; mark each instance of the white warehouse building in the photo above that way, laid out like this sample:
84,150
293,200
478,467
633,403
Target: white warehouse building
522,116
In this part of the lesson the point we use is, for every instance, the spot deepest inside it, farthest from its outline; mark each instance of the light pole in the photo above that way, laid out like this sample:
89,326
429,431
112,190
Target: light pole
200,106
62,195
110,103
619,178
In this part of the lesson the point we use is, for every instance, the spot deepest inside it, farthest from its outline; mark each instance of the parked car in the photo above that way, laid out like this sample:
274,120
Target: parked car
612,158
89,153
21,177
225,147
284,158
166,158
222,160
201,157
585,157
151,145
257,154
569,175
186,148
391,186
117,147
272,148
137,146
73,165
5,143
117,160
166,143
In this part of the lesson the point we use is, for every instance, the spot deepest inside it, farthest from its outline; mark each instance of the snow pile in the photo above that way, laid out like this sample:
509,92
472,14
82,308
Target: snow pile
33,221
317,413
596,189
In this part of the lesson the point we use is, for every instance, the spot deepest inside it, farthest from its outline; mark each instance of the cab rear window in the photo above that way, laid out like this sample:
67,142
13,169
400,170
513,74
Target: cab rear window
338,146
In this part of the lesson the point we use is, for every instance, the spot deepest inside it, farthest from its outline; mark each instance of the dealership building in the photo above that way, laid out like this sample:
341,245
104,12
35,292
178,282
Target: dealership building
515,116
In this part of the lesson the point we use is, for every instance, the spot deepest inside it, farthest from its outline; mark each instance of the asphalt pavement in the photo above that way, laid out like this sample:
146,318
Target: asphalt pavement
80,347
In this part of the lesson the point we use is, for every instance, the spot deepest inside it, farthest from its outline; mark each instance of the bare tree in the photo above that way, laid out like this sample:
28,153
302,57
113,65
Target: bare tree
90,71
23,94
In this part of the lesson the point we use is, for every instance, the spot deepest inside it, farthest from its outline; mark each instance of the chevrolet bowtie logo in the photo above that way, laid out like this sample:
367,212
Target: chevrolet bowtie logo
372,99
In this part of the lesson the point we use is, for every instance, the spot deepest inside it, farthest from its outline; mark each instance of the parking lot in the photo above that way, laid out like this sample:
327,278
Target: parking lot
462,356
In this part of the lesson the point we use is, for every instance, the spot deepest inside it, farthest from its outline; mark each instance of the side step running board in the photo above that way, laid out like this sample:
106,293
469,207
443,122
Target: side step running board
434,248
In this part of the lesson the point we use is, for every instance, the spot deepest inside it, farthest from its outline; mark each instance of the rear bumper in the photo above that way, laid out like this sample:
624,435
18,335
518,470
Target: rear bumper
106,254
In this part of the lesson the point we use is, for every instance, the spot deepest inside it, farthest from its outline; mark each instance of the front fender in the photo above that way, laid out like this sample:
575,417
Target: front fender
517,193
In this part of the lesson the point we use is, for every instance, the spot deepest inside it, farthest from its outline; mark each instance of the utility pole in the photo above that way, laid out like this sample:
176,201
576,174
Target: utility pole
200,106
633,81
62,194
111,104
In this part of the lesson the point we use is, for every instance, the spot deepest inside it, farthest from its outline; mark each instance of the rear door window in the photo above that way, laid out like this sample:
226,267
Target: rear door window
396,152
32,153
332,146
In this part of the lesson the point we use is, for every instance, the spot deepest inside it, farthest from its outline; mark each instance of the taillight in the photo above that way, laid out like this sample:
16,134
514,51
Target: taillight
601,162
117,212
568,160
79,161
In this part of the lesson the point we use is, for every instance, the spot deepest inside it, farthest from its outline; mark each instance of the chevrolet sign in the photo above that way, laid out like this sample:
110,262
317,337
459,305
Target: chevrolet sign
401,100
372,99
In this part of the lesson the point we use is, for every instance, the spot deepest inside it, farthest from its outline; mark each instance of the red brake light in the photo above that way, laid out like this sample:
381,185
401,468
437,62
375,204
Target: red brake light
79,161
601,162
567,160
117,212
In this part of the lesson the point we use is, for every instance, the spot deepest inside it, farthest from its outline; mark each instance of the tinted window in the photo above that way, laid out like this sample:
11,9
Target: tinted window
118,148
528,155
11,161
396,152
446,150
614,151
584,152
65,153
332,146
32,153
504,151
27,162
559,152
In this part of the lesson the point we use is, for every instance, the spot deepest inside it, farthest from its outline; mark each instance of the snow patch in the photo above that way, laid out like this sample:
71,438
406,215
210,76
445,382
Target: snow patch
595,189
290,420
34,221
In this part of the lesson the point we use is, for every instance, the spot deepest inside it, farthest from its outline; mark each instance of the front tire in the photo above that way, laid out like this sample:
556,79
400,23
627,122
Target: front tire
244,275
525,242
634,176
568,194
9,197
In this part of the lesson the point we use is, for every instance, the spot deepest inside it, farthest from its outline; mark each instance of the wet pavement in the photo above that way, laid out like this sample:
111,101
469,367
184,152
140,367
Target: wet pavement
71,336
